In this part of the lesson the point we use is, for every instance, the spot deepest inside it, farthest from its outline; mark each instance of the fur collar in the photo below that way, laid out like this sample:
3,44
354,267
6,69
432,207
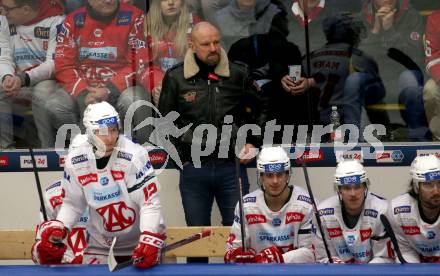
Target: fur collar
190,67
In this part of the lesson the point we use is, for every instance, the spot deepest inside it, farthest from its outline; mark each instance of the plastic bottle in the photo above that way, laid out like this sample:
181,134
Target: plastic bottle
335,119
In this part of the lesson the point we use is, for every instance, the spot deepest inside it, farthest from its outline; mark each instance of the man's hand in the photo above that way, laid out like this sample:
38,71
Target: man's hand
11,85
270,255
296,88
388,19
238,255
49,247
247,153
384,18
147,253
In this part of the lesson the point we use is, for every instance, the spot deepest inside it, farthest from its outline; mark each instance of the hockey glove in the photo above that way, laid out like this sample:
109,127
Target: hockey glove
270,255
147,252
49,247
238,255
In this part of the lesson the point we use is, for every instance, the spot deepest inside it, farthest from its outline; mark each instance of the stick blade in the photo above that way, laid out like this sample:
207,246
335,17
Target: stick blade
111,261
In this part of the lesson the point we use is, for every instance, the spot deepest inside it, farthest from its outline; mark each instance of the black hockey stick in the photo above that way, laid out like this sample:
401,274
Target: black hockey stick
390,232
315,209
240,204
113,265
37,180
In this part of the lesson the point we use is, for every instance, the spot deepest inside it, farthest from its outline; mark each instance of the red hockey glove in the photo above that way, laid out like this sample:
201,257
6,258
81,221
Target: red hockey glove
238,255
147,252
270,255
49,247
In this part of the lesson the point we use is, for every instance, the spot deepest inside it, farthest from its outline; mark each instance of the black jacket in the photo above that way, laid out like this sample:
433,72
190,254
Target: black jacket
200,100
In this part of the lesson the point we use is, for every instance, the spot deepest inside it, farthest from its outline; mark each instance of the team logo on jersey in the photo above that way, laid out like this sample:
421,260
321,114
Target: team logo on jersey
304,198
294,217
117,175
117,216
79,159
402,209
87,178
97,32
41,32
124,18
326,212
334,232
104,180
370,213
189,96
249,199
365,234
124,155
430,234
255,219
411,230
77,239
276,222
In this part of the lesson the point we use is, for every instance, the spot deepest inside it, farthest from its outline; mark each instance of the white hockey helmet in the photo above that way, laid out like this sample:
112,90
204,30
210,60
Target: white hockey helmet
99,115
424,169
349,172
272,160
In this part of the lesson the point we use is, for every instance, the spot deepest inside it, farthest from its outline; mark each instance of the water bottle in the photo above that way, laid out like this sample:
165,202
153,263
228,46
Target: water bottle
335,119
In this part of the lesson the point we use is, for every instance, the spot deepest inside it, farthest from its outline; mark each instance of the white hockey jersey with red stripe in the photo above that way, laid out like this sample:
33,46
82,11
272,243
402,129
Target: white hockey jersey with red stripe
366,242
123,198
288,229
418,241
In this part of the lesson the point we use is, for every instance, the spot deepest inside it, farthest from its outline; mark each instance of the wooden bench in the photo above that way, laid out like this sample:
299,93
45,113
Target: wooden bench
16,244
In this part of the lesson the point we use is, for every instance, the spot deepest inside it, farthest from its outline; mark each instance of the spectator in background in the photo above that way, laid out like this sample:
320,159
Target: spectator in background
94,64
188,89
27,66
207,8
168,27
72,5
431,93
394,39
343,75
243,18
317,11
267,66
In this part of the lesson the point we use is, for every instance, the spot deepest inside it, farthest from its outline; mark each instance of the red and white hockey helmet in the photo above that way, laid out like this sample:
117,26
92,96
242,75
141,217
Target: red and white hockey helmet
424,169
100,115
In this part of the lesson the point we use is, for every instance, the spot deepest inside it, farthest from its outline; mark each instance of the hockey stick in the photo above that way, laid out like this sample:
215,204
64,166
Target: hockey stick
390,232
113,265
37,180
240,204
315,209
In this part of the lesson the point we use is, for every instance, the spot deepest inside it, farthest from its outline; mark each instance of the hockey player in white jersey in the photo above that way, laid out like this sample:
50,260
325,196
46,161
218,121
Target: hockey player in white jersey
114,178
414,216
277,217
350,220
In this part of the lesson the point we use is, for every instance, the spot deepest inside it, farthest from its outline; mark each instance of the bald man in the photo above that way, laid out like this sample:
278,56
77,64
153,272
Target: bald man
204,89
